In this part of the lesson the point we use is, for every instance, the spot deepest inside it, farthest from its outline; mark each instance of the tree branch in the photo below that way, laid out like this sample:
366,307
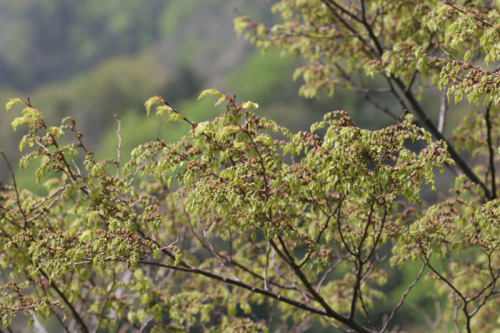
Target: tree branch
105,302
241,284
363,93
492,153
18,200
75,313
329,311
391,317
438,135
372,52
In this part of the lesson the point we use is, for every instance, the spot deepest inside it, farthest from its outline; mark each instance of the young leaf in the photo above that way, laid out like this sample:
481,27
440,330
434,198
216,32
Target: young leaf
12,102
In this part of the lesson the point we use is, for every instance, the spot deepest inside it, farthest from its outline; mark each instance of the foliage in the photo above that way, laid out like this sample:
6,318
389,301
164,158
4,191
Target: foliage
241,212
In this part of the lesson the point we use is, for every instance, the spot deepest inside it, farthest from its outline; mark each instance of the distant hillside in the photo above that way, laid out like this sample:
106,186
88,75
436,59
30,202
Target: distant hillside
90,61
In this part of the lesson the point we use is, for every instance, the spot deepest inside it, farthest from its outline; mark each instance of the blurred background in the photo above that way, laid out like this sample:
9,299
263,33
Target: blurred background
92,59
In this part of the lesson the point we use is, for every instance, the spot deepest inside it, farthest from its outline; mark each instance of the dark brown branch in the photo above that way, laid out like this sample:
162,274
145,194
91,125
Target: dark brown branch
318,239
339,228
492,153
464,12
425,258
329,311
351,29
370,256
365,310
375,40
420,112
345,11
261,160
438,135
241,284
360,264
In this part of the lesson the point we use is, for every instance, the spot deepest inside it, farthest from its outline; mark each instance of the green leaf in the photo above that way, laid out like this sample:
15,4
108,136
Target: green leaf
87,236
152,101
174,116
162,109
202,127
250,106
222,99
139,274
228,130
12,102
468,55
213,92
231,309
18,121
239,144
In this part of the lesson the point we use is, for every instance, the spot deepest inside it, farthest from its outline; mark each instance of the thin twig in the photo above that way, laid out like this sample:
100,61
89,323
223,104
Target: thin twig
75,313
241,284
331,313
365,95
426,259
323,278
211,248
18,199
391,317
371,52
464,12
359,265
105,302
265,271
467,63
77,168
119,146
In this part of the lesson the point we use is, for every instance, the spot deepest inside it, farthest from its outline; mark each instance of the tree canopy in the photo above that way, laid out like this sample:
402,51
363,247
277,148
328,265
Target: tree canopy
241,214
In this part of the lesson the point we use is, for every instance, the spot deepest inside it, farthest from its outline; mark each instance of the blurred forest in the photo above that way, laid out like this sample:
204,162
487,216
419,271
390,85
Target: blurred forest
93,59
